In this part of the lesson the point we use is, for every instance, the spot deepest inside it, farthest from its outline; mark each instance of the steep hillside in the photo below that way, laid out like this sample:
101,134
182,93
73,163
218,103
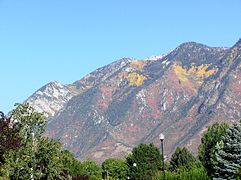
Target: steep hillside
111,110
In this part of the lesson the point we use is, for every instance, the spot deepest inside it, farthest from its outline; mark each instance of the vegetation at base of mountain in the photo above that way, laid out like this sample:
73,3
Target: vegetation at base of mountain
181,158
227,159
29,155
144,161
208,143
194,172
115,168
37,157
90,169
71,165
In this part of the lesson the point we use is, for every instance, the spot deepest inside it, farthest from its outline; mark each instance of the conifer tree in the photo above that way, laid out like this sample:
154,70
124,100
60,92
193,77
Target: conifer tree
228,154
181,158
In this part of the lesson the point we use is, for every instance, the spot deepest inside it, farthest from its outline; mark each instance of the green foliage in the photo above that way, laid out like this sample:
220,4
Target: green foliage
4,173
181,158
238,174
37,157
71,165
148,161
91,169
227,160
116,168
29,121
48,159
193,172
209,141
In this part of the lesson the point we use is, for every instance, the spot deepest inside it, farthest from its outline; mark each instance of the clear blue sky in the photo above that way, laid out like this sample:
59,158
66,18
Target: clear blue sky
45,40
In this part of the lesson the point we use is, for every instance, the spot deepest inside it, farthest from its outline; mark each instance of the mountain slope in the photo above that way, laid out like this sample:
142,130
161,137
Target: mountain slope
128,102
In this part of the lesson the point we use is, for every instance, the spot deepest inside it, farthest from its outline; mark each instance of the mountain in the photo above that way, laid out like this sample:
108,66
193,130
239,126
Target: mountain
113,109
50,98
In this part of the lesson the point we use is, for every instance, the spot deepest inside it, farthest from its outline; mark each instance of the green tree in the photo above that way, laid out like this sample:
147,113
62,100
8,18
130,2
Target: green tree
193,172
227,161
208,143
181,158
72,166
37,157
116,168
238,174
91,169
48,158
147,159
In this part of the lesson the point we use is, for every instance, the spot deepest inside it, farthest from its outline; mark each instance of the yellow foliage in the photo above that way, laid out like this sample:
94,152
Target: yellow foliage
201,71
138,64
195,72
135,79
181,73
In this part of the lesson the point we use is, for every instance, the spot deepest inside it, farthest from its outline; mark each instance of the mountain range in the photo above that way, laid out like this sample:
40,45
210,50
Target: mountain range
128,102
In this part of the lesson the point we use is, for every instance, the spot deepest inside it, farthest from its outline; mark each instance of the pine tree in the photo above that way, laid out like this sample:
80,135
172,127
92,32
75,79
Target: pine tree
207,147
181,158
228,154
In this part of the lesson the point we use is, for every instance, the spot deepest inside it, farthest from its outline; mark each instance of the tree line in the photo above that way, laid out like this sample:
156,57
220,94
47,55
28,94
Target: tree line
25,154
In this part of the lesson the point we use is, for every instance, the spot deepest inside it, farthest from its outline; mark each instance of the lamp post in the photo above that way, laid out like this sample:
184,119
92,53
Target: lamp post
134,164
161,137
107,174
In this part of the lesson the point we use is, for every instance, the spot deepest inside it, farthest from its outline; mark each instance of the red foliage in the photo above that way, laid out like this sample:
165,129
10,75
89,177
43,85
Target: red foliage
106,96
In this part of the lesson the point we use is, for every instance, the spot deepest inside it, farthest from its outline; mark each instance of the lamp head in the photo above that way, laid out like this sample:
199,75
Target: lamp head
161,137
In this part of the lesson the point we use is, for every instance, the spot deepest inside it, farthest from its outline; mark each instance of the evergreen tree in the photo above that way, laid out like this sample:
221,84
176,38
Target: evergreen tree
227,159
208,143
144,162
181,158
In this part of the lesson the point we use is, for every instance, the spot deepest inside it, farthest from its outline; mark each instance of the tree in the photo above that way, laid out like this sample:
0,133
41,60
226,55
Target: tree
116,168
181,158
9,136
147,159
37,157
9,140
227,160
91,169
71,165
208,143
48,157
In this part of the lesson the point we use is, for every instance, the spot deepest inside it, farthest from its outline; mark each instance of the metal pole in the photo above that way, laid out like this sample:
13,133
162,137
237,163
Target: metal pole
163,167
107,175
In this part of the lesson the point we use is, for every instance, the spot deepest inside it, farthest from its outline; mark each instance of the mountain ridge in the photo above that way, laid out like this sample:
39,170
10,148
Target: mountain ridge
128,102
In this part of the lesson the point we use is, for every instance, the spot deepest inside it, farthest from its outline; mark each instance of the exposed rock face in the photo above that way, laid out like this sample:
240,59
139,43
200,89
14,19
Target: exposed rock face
50,98
128,102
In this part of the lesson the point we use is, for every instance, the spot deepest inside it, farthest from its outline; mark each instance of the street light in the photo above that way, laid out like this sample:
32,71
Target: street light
134,164
162,137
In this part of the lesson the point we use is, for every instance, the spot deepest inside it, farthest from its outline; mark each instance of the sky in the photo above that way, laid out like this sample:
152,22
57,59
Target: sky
63,40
